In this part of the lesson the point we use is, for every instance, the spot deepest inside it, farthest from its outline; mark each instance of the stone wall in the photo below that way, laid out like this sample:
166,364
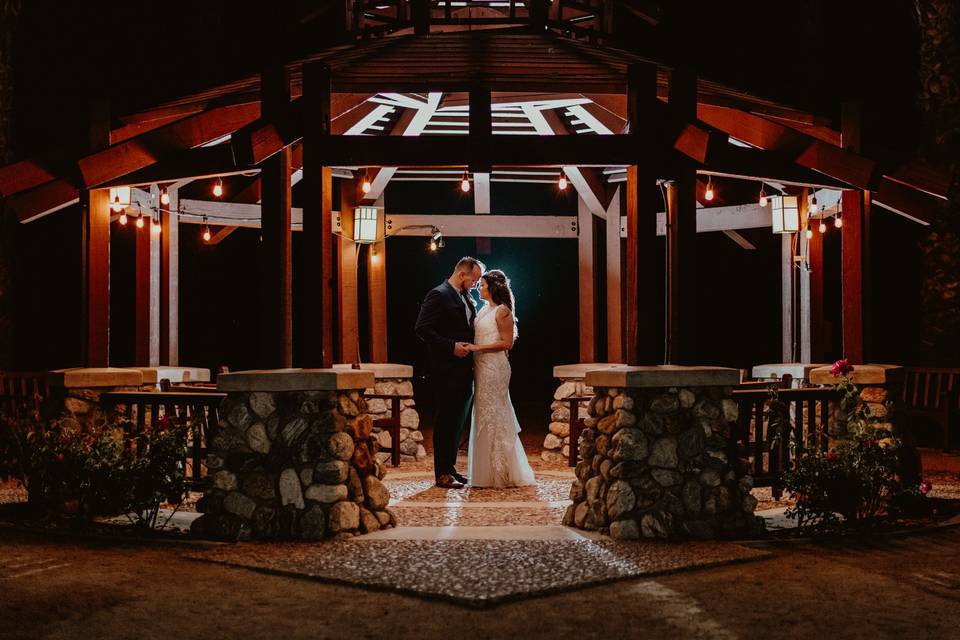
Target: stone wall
75,394
411,438
656,464
556,446
294,465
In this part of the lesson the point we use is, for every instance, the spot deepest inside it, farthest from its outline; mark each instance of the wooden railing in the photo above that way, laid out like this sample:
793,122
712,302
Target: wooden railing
391,424
199,410
22,391
807,412
932,394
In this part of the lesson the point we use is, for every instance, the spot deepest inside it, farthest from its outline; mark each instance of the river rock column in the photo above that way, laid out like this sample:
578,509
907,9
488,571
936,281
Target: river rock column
293,458
656,460
75,393
556,445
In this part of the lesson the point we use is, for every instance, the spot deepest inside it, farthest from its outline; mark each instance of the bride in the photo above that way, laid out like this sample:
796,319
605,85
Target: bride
496,456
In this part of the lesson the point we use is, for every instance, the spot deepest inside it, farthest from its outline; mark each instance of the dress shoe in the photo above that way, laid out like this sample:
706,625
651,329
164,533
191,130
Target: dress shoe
459,478
448,482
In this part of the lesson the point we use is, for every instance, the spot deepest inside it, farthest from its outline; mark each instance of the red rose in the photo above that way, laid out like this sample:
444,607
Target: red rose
831,457
59,457
840,368
925,487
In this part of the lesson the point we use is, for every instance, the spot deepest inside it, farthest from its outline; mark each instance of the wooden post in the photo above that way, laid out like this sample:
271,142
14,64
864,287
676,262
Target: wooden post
682,233
420,16
804,277
643,290
377,292
347,255
276,330
614,282
317,264
481,129
95,253
586,291
170,280
852,275
817,326
786,297
147,298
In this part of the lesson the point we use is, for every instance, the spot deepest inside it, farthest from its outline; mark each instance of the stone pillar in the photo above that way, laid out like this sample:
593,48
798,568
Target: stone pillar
75,393
556,446
394,380
656,456
878,383
293,458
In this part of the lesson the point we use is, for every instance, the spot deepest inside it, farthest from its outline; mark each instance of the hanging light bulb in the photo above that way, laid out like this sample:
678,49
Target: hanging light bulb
814,207
838,220
374,256
366,186
708,193
763,196
823,226
154,224
809,231
164,196
465,182
116,205
218,187
206,230
433,245
562,182
123,217
140,221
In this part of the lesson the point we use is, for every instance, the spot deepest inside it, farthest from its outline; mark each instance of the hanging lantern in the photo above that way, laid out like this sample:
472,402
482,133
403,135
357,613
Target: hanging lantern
365,224
786,214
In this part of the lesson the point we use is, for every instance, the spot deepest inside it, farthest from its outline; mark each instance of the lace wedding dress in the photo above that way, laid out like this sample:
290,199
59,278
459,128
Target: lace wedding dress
496,457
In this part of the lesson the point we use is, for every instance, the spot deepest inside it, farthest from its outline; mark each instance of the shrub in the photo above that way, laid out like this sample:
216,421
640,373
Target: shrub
96,471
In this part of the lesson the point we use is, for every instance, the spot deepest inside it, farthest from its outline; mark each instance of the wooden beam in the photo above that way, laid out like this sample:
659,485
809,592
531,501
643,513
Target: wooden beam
95,212
643,294
481,192
614,270
586,292
806,151
26,174
907,202
377,293
742,242
276,285
486,226
681,232
147,149
852,276
348,322
221,234
170,280
147,297
316,266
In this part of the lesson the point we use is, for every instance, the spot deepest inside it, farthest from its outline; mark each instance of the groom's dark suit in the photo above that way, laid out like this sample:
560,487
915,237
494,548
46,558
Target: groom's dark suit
446,317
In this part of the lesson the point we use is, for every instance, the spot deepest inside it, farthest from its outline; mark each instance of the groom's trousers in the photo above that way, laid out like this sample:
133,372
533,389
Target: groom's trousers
454,398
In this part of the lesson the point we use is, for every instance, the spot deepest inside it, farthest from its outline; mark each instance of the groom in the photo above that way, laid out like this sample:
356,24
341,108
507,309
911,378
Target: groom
445,324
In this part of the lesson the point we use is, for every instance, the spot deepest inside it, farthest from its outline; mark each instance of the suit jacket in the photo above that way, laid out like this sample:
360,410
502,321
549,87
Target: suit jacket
441,324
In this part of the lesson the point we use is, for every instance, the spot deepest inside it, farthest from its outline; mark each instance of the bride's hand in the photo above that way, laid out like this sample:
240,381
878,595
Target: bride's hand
471,347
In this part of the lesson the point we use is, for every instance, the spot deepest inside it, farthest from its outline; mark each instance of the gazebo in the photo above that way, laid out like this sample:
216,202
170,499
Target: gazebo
490,91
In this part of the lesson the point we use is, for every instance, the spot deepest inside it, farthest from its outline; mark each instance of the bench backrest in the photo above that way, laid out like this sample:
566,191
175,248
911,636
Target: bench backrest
930,387
22,391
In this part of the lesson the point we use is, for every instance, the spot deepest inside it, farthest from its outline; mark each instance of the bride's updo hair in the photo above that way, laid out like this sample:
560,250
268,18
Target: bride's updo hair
498,285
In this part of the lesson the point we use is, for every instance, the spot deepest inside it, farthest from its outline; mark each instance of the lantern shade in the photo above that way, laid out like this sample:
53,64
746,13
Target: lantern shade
786,214
365,224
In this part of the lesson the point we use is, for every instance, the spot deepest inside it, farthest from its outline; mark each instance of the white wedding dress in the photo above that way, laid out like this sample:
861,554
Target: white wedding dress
496,457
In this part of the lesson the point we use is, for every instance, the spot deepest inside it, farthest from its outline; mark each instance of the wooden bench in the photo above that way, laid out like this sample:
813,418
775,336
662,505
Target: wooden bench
932,393
22,391
392,424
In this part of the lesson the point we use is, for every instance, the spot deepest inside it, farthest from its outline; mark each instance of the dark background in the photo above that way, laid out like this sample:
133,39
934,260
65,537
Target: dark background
814,54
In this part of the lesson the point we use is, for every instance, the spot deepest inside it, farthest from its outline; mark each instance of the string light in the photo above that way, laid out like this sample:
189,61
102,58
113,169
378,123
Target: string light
814,207
823,226
433,245
116,205
140,220
123,217
465,182
154,224
763,196
206,230
562,182
164,196
708,193
838,220
218,187
366,186
374,256
809,231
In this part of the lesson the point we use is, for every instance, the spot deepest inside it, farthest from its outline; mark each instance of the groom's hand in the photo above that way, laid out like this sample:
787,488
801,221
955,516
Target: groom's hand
460,350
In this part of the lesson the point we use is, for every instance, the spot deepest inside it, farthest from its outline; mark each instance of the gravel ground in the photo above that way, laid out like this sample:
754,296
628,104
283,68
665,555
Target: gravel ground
476,572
